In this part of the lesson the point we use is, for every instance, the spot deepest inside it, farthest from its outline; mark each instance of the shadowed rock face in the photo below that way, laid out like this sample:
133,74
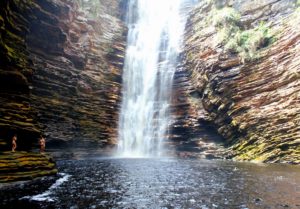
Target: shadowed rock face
16,71
60,70
253,102
192,133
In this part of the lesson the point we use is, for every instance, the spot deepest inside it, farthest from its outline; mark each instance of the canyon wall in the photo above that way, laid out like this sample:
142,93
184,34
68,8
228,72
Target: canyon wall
243,61
60,70
61,65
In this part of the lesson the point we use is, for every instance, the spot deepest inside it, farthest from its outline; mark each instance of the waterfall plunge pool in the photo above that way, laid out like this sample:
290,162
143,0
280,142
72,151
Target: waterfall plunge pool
159,183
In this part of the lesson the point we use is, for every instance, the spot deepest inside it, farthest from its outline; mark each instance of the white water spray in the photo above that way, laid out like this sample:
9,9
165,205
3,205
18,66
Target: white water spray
153,44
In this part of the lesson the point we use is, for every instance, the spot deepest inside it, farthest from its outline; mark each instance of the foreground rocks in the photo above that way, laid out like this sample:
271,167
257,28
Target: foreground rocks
17,166
251,95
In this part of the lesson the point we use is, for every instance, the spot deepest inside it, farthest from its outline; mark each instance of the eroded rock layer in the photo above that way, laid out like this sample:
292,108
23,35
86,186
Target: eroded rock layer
16,71
192,133
60,70
17,166
78,79
243,62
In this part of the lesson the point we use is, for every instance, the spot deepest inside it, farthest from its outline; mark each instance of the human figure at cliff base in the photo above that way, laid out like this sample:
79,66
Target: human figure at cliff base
14,143
42,143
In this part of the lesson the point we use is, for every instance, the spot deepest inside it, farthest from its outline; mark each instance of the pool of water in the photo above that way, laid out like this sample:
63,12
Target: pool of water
159,183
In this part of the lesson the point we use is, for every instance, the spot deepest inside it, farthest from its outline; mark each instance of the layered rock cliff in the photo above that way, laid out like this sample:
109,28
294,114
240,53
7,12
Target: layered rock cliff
60,70
242,58
61,65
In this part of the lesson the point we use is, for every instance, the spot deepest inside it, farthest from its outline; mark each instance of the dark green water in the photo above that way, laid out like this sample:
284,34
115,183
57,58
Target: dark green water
160,183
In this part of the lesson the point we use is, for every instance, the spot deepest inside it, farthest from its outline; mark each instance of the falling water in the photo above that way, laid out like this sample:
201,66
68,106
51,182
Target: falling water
155,29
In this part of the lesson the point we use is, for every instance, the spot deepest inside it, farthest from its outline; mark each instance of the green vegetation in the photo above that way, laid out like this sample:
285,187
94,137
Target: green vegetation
92,6
235,39
226,16
226,21
296,14
247,43
110,50
217,3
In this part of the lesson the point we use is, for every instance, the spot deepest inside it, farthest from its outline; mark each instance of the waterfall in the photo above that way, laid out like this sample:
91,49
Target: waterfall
155,29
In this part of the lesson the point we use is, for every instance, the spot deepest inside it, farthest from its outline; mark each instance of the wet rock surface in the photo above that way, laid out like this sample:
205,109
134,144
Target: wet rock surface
164,183
19,166
12,191
251,97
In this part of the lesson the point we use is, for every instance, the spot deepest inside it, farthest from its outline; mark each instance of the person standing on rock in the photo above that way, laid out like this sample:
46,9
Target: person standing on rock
42,144
14,143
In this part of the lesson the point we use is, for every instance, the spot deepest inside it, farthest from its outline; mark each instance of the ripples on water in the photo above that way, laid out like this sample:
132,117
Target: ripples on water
162,183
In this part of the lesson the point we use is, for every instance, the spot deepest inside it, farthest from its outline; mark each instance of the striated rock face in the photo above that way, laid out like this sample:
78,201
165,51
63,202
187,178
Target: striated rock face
61,70
77,79
192,134
61,65
16,71
242,58
25,166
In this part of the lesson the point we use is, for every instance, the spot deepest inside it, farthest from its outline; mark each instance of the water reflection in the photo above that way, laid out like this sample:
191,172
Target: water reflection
173,183
268,186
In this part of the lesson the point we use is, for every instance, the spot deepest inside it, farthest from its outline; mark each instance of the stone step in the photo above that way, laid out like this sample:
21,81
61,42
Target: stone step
17,166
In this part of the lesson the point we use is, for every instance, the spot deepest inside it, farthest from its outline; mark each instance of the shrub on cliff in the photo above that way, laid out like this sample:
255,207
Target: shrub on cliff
226,20
247,42
234,37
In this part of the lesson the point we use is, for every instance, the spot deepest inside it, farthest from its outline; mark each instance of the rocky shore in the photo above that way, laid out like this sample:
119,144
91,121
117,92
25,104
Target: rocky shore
20,166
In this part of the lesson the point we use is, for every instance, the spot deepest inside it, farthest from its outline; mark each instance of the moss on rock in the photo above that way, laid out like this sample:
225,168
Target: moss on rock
249,84
16,166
